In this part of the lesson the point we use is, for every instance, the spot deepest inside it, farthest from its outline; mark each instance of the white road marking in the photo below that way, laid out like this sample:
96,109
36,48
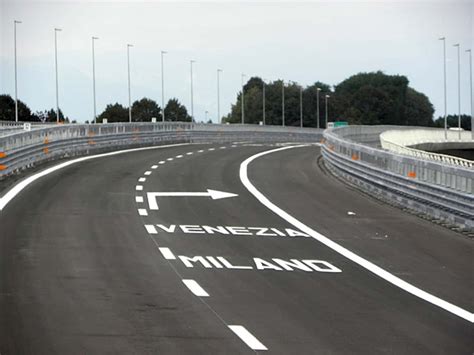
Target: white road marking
189,153
350,213
179,156
200,151
142,212
147,173
233,146
170,159
222,147
139,188
154,167
150,228
211,149
394,280
252,342
195,288
167,253
139,199
161,162
215,195
10,195
142,179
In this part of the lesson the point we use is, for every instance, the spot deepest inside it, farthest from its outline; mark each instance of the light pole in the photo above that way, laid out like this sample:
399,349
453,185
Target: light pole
283,103
263,100
459,90
301,106
327,97
317,107
93,78
56,30
445,91
16,78
192,94
205,113
162,87
129,92
472,98
218,96
243,113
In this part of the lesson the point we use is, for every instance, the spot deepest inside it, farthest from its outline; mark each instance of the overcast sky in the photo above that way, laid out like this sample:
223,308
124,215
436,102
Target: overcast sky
302,42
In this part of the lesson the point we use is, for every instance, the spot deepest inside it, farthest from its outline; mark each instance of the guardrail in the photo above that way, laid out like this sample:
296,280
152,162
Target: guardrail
442,191
26,149
402,142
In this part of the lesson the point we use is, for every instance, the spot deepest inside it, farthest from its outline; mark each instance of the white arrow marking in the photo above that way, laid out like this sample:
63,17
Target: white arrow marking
214,194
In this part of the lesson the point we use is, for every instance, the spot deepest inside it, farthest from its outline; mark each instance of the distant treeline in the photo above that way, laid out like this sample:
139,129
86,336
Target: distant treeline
365,98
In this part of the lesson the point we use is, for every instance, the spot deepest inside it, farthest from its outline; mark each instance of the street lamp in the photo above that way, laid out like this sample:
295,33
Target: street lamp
472,98
129,93
445,91
243,114
205,113
162,87
16,78
218,96
263,100
317,107
327,97
301,106
283,103
93,78
192,95
459,90
56,30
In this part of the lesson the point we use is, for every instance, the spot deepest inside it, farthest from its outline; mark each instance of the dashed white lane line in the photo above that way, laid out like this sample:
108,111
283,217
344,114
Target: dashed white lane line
167,253
139,188
147,173
161,162
233,146
189,153
139,199
195,288
150,228
252,342
211,149
142,212
200,151
366,264
179,156
170,159
154,167
222,147
142,179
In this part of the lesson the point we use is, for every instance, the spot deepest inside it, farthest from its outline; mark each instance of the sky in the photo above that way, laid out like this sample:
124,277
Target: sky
296,41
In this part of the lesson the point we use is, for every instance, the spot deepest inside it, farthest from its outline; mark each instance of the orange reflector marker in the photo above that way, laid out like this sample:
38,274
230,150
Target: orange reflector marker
412,174
355,157
46,140
45,150
91,142
3,167
3,155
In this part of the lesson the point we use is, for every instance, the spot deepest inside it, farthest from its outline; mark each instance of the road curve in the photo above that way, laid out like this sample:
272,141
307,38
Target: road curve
87,266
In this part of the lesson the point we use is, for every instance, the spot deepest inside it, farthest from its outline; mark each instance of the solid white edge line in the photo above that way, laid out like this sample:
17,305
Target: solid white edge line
195,288
150,228
142,212
252,342
139,199
394,280
10,195
167,253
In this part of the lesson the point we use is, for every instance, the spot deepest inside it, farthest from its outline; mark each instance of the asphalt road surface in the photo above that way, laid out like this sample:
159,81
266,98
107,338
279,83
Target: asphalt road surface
132,254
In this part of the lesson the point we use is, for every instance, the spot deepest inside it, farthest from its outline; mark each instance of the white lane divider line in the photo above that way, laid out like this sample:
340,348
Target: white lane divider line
252,342
211,149
142,179
179,156
366,264
139,188
150,228
161,162
142,212
189,153
233,146
147,173
170,159
154,167
200,151
195,288
222,147
139,199
167,253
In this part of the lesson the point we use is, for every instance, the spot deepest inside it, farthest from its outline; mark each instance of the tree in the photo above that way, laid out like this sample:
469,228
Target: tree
418,109
174,111
453,122
7,110
114,113
50,116
144,109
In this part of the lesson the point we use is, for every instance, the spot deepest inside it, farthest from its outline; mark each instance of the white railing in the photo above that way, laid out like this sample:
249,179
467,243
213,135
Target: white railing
399,141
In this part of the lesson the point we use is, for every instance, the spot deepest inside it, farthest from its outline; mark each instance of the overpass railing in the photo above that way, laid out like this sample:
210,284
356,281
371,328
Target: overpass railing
442,191
25,149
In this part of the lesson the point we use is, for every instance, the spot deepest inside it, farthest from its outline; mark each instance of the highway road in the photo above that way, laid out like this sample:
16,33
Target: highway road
225,249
